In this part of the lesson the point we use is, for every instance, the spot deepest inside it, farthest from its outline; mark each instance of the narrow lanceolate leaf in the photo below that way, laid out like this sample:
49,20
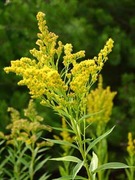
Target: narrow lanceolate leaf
63,129
77,168
111,165
40,164
70,177
89,115
93,143
45,176
61,142
67,158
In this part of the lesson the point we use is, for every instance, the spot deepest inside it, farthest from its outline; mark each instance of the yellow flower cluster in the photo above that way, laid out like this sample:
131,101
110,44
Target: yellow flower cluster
102,56
100,103
39,80
58,89
70,58
27,129
83,73
131,145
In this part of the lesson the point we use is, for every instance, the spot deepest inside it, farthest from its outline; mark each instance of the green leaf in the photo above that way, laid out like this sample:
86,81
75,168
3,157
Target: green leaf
62,142
63,129
62,171
24,176
85,117
89,115
94,164
43,149
40,164
70,177
45,176
77,168
67,158
7,172
3,162
2,141
88,140
93,143
111,165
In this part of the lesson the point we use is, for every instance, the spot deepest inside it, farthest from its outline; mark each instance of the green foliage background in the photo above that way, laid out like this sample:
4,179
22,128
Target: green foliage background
87,25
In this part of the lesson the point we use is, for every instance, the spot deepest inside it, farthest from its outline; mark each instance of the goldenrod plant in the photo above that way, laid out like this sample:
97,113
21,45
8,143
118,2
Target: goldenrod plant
65,90
25,154
100,103
131,157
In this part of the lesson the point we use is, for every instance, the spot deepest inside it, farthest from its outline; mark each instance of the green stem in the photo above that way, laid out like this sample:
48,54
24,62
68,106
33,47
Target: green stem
131,169
31,168
81,146
17,171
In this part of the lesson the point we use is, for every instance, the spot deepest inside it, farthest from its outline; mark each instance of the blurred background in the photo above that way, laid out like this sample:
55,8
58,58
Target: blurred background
87,25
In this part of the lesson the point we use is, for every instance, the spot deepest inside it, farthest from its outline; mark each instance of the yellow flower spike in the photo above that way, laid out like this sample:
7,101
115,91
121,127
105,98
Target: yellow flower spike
59,50
41,22
68,48
131,145
102,56
15,115
31,112
100,103
83,73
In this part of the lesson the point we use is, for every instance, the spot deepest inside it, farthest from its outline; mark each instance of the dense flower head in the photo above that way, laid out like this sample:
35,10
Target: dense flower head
57,88
131,145
100,103
82,74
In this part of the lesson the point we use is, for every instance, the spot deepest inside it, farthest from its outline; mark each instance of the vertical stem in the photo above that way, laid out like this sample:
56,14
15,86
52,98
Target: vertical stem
81,146
132,169
102,152
31,168
17,151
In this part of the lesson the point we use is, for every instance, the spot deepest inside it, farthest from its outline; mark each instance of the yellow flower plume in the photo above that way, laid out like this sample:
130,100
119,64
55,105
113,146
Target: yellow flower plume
64,90
131,145
100,103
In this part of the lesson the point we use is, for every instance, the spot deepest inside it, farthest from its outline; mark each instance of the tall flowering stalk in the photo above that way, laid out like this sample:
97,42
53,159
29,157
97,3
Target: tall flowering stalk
131,157
64,90
100,103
